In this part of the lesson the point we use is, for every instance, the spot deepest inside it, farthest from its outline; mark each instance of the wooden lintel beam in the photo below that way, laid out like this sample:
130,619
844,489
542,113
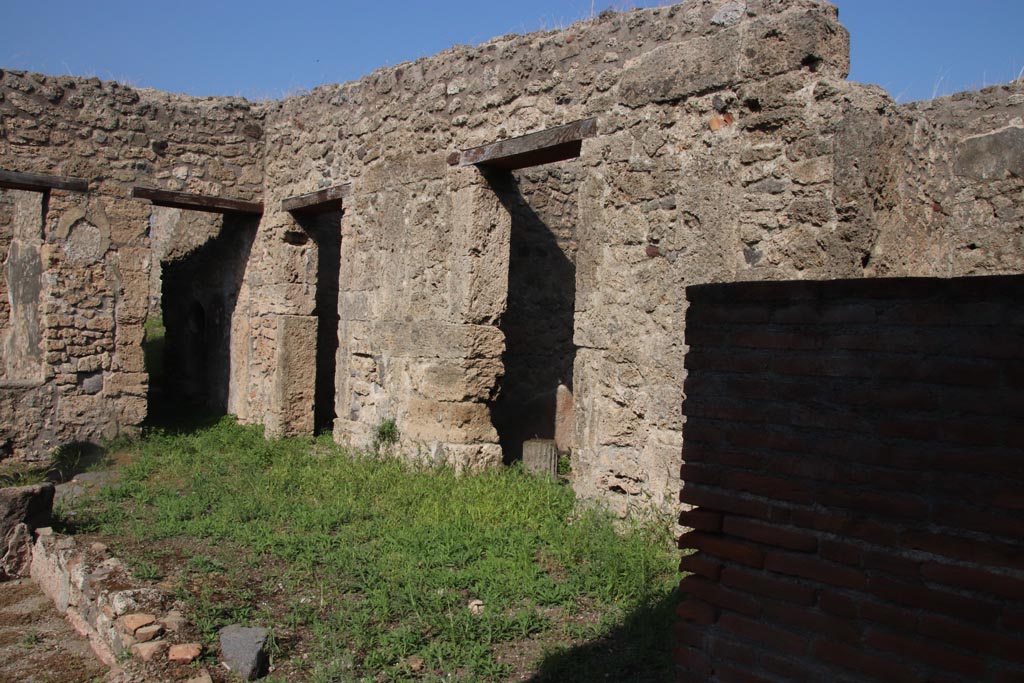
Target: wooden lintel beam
196,202
36,182
328,199
533,149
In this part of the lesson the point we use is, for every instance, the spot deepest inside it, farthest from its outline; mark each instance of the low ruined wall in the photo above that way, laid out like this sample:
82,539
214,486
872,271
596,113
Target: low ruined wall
853,462
78,266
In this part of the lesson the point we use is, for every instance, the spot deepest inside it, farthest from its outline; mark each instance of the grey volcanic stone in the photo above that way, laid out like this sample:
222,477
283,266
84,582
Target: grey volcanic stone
22,510
995,156
31,505
243,650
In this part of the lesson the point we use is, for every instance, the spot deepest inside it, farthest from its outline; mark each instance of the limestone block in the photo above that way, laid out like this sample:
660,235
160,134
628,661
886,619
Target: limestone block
456,380
132,411
540,456
481,228
799,39
565,419
994,156
677,70
442,421
471,458
294,381
812,171
131,383
437,339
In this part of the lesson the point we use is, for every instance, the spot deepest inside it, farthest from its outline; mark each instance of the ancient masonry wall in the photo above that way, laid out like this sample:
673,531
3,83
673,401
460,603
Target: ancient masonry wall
425,278
78,266
853,459
729,148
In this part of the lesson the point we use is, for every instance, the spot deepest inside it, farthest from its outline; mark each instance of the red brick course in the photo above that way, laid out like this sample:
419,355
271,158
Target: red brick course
854,477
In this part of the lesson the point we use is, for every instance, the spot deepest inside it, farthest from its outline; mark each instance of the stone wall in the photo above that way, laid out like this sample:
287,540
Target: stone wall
479,309
426,285
78,265
854,462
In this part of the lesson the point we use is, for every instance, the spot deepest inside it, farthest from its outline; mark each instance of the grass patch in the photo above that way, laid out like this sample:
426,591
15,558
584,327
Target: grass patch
153,343
365,567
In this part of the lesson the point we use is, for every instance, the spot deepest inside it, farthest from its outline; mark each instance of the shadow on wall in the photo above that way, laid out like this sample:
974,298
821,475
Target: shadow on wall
200,292
538,322
325,230
639,650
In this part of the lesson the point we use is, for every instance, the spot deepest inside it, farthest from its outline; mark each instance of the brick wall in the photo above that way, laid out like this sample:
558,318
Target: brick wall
854,481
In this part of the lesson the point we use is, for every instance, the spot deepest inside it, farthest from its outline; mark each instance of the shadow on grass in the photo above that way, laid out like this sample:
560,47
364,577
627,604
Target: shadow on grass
639,650
173,414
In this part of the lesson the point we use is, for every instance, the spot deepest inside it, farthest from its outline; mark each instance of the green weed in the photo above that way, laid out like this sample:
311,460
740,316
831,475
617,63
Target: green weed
381,559
145,571
385,435
31,639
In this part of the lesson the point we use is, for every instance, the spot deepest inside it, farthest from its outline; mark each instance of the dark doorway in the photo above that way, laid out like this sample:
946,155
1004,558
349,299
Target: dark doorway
199,293
539,319
324,227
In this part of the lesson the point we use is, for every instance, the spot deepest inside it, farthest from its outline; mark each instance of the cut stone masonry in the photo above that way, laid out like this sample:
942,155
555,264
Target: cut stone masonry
477,307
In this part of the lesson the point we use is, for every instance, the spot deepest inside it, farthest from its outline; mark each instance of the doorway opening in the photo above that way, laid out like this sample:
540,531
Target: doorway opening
198,295
324,228
535,393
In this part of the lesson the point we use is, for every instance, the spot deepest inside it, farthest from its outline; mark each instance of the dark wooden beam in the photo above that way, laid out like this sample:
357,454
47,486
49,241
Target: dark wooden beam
327,199
35,182
533,149
196,202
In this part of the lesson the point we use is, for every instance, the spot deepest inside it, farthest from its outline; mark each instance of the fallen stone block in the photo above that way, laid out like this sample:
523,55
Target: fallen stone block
244,650
23,509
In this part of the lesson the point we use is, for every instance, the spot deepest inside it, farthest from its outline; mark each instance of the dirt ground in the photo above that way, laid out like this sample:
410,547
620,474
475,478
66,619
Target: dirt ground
37,645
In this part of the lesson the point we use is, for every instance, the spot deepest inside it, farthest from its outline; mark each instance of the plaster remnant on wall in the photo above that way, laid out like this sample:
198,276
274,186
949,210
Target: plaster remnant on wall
21,339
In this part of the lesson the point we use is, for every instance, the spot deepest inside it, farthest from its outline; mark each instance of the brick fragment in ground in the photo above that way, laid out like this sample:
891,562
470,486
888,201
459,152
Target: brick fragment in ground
130,623
184,653
244,650
147,651
148,633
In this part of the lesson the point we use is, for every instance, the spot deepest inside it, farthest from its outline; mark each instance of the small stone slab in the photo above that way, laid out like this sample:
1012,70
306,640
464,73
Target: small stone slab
540,456
147,651
130,623
203,677
184,653
173,621
148,633
244,650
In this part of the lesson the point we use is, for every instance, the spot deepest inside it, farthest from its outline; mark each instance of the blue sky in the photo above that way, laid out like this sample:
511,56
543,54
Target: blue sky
269,48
